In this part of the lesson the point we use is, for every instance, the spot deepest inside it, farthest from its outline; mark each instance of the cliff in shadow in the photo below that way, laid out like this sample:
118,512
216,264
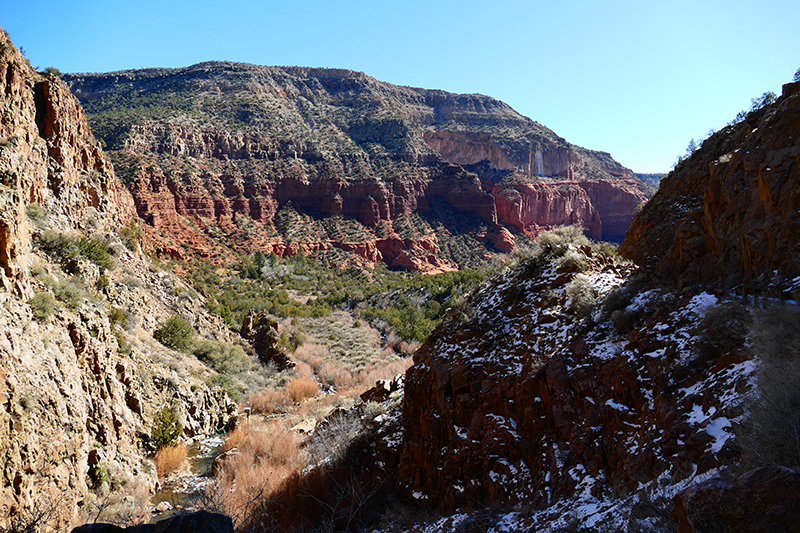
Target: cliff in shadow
728,214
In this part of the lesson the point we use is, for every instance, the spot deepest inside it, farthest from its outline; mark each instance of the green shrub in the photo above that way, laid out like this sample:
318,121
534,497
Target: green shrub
556,242
43,304
120,318
36,212
166,429
223,357
102,283
97,251
70,292
122,342
176,333
226,383
724,328
130,235
571,261
67,248
41,274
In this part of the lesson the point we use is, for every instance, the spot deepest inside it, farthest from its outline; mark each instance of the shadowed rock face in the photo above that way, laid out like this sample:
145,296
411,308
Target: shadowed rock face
514,402
231,143
730,212
762,500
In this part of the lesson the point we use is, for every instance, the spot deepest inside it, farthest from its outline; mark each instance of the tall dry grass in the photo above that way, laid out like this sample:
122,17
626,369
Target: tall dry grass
261,455
169,459
257,457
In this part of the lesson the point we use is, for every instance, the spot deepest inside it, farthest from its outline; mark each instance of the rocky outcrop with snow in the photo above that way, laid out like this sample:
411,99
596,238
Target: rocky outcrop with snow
556,392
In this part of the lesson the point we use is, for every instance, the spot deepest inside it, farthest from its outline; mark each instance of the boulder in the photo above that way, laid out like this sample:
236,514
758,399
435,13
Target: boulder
764,500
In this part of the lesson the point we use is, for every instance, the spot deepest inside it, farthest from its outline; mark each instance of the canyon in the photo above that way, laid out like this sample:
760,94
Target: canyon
575,389
233,148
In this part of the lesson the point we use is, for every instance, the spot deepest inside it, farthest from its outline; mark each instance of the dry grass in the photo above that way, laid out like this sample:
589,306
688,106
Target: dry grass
268,401
169,459
301,388
259,456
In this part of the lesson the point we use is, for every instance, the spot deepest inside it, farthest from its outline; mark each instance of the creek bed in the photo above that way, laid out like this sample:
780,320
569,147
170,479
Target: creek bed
184,491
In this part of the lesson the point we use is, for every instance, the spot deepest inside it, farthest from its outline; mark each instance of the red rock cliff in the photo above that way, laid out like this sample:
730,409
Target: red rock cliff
333,143
730,213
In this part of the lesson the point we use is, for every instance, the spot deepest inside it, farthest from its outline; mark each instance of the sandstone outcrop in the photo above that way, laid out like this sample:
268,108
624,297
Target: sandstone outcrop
48,158
333,144
729,213
532,208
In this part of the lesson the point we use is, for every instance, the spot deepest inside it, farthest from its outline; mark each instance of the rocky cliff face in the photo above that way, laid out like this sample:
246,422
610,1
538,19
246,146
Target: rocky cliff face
232,144
527,400
48,157
729,213
78,389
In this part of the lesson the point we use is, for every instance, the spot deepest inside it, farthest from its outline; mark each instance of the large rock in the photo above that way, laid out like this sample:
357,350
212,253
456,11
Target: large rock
198,522
513,403
761,501
262,331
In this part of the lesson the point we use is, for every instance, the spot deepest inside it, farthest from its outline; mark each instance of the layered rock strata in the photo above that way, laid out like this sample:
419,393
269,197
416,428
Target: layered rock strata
235,144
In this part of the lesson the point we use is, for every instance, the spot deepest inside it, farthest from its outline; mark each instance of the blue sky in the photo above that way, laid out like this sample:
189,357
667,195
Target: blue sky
636,79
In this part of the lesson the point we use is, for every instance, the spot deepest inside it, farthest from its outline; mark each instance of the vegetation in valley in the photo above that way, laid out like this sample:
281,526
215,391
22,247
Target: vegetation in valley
300,287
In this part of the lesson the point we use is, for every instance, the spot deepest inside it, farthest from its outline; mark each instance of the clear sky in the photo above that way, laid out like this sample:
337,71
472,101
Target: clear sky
638,79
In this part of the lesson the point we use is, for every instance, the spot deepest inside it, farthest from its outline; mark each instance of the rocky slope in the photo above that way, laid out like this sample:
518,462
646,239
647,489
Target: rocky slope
81,374
569,393
591,400
223,155
729,213
530,402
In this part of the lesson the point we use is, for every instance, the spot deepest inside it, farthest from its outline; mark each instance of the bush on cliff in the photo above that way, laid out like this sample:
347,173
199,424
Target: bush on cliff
66,248
166,429
176,333
223,357
42,304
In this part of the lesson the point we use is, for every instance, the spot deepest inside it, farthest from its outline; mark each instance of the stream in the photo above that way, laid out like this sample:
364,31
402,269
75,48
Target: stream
183,491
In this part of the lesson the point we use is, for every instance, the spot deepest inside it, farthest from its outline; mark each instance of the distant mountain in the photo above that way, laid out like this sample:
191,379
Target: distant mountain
650,178
234,156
